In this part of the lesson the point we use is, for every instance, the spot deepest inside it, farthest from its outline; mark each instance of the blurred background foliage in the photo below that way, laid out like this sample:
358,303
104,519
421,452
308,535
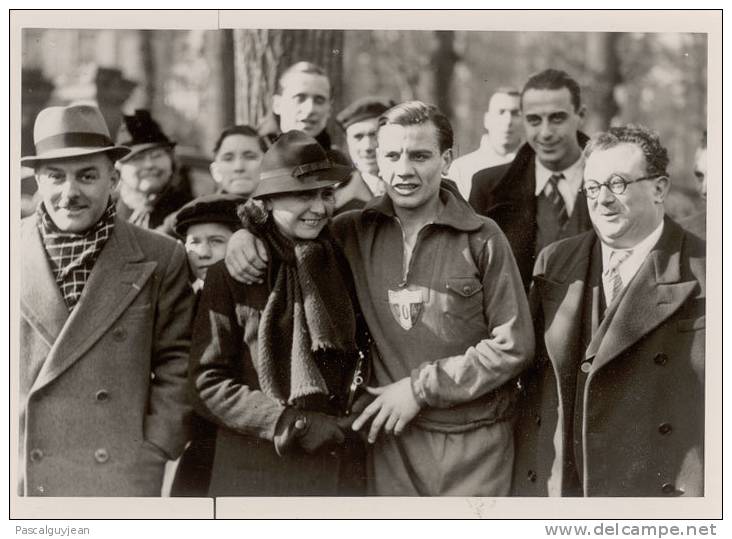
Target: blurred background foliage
196,82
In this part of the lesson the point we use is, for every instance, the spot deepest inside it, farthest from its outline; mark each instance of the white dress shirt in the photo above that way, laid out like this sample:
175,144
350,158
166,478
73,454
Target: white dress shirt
632,264
375,184
568,187
464,167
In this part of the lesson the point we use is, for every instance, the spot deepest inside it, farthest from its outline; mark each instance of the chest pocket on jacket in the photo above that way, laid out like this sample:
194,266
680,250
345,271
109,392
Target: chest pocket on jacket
463,305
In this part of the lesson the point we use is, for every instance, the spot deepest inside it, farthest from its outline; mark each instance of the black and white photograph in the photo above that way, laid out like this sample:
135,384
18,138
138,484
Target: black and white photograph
455,260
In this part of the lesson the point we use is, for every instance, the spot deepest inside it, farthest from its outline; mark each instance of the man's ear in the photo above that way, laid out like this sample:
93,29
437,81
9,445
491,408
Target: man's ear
114,175
582,113
661,187
276,103
446,161
487,121
213,169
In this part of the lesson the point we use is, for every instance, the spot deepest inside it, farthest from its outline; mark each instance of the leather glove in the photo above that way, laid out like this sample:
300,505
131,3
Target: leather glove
359,405
312,431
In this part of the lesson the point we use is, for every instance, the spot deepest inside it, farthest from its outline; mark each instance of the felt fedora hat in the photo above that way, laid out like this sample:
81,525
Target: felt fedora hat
141,132
71,131
296,162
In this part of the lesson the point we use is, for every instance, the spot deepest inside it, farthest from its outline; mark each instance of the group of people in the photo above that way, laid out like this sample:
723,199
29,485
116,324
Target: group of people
524,320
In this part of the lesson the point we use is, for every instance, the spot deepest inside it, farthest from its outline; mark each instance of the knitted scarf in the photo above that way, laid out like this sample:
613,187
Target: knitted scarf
72,256
308,313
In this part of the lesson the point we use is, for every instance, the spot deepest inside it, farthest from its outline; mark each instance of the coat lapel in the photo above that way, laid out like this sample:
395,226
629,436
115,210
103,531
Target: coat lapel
119,274
41,302
562,300
655,293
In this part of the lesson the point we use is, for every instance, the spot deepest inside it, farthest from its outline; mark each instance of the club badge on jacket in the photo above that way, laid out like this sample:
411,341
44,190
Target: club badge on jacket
406,307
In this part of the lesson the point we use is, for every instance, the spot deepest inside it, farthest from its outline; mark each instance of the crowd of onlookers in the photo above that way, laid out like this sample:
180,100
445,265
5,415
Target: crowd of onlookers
379,319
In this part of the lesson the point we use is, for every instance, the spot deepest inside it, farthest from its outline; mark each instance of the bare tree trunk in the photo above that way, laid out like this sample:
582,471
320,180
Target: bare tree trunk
228,77
260,56
148,67
443,63
603,68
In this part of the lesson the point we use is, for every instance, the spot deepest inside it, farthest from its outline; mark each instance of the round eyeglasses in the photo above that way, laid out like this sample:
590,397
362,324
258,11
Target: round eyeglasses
616,184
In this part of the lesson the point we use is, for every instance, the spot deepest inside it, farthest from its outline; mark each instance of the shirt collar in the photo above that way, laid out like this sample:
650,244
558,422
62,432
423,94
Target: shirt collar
453,212
572,175
373,182
640,250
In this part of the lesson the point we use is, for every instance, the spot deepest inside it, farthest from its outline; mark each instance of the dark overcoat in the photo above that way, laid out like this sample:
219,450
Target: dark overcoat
225,340
507,194
641,421
102,399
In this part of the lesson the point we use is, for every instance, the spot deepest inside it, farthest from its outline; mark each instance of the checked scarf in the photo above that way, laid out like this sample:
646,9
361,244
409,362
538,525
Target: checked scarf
72,256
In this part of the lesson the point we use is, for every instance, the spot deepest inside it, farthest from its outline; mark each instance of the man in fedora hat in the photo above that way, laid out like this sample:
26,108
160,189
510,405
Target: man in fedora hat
105,322
153,185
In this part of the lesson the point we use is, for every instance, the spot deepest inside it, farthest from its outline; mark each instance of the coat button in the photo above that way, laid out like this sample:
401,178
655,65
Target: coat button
660,359
119,334
531,476
101,456
586,367
36,455
102,395
664,428
466,289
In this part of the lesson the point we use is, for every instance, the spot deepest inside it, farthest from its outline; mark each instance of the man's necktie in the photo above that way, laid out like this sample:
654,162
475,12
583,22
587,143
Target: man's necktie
611,275
555,197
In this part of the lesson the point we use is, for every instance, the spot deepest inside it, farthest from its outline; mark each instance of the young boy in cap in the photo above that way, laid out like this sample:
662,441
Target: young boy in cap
205,225
105,326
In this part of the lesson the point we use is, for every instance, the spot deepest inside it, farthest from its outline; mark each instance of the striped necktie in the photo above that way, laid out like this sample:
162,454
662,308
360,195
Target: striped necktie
611,275
552,193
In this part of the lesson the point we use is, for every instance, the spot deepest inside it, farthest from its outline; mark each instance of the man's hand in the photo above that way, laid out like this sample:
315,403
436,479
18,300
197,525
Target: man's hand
394,407
359,406
246,257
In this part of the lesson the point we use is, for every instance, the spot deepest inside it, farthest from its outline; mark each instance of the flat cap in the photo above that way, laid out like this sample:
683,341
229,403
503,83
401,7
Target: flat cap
216,208
363,109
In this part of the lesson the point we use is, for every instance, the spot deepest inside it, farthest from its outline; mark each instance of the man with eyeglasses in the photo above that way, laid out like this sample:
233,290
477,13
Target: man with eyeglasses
535,199
614,402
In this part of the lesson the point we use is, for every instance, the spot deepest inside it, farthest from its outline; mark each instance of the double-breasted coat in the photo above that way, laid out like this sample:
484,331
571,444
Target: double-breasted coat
638,427
102,399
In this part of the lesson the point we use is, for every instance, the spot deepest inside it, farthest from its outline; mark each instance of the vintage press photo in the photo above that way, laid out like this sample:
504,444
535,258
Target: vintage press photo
199,72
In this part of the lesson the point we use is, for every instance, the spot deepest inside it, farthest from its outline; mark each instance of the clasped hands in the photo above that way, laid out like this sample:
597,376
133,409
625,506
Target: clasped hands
393,407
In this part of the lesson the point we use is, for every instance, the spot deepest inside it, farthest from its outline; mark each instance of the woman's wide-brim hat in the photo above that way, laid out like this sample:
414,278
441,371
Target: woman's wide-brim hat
296,162
71,131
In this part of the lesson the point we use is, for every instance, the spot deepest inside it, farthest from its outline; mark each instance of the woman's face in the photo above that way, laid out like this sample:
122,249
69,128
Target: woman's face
236,164
302,215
